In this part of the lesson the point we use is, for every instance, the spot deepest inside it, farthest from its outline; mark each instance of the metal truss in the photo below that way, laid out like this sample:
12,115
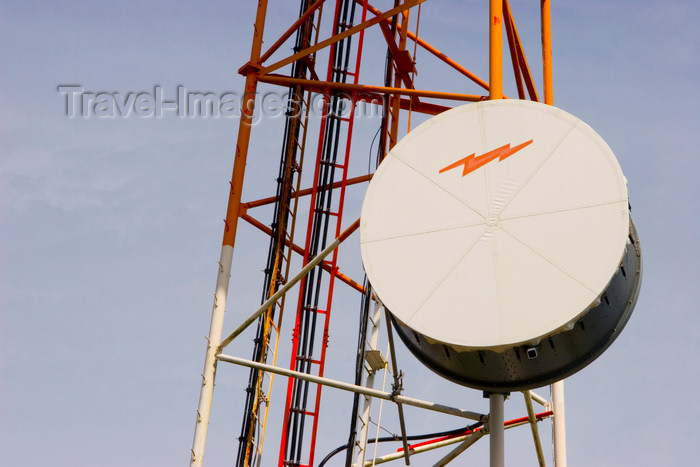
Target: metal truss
398,98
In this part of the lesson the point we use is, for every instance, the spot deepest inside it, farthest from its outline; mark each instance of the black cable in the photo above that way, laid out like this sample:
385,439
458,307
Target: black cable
246,455
311,287
371,145
386,439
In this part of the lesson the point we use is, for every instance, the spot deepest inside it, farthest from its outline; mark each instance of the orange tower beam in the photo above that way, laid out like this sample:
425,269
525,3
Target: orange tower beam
226,257
256,71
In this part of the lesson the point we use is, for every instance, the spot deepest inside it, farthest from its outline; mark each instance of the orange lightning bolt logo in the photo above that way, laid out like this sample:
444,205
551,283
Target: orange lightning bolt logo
471,163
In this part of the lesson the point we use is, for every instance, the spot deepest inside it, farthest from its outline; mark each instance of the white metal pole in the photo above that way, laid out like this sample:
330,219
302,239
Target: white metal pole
291,283
354,388
559,425
532,418
428,447
471,439
222,280
496,430
452,455
375,321
215,329
539,399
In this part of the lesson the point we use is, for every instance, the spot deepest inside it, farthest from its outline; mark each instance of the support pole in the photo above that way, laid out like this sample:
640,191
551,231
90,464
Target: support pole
397,387
539,399
496,49
496,430
375,321
532,418
547,51
452,455
224,273
430,445
290,283
559,425
421,404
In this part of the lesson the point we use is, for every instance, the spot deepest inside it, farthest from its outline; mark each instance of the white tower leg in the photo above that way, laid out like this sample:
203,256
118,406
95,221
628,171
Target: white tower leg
209,375
559,426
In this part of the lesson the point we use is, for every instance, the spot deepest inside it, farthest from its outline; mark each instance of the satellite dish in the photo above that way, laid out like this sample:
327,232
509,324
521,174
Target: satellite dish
499,236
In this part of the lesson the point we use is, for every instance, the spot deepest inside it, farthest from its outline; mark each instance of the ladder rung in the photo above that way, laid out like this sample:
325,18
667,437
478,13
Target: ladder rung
324,211
338,117
334,164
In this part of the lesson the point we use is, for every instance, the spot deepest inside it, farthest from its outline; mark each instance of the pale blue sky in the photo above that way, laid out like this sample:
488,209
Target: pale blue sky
110,229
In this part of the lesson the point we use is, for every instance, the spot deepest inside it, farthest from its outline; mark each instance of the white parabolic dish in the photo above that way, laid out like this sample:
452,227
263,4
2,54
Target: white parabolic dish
495,224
